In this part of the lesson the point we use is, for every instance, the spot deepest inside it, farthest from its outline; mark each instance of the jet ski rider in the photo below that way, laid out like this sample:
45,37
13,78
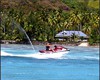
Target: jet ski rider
48,47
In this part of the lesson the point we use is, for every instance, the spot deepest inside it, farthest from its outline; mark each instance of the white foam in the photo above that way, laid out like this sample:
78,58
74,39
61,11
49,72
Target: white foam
37,55
5,54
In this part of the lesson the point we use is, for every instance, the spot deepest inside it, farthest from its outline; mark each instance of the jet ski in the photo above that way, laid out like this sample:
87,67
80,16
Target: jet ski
55,50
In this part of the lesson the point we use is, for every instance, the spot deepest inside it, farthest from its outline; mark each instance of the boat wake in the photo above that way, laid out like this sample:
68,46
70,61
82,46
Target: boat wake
37,55
60,55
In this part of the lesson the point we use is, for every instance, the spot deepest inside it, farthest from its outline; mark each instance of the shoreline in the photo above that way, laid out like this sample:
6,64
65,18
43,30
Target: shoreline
56,43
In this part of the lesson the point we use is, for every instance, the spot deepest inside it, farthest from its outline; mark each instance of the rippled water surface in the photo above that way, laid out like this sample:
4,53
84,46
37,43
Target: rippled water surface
80,63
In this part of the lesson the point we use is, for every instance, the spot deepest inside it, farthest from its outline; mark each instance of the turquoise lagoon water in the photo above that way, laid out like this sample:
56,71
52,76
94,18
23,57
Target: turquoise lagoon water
81,63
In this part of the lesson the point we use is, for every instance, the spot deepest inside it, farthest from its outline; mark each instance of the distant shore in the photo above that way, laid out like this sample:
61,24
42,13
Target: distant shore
44,42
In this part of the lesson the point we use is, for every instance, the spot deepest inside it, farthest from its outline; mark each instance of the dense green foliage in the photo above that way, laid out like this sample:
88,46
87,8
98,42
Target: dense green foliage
44,23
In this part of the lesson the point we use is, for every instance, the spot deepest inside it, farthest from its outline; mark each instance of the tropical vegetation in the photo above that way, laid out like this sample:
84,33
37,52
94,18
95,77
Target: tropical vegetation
42,22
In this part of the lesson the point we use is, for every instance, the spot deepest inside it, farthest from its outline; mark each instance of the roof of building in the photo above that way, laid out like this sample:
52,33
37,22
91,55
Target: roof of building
70,33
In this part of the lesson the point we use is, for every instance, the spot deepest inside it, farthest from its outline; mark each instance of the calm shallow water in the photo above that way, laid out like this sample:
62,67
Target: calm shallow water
81,63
